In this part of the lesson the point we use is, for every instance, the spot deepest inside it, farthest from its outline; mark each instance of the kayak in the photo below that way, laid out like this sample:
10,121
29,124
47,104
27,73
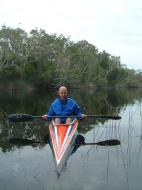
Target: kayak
62,138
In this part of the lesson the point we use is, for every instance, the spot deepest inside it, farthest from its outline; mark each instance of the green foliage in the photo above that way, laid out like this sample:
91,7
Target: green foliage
10,72
54,60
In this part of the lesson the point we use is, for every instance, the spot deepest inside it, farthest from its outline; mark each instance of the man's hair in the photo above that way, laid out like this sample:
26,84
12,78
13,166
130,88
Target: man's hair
62,86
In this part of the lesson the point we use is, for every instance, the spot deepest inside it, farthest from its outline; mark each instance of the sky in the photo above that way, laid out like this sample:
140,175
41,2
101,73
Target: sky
113,25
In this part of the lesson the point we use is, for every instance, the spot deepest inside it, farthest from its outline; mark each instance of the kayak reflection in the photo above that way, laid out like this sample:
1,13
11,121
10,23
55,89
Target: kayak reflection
79,141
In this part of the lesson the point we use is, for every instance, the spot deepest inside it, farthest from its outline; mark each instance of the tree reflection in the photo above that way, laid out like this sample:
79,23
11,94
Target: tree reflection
92,101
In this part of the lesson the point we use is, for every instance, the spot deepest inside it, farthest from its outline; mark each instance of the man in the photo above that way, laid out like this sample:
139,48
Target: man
63,106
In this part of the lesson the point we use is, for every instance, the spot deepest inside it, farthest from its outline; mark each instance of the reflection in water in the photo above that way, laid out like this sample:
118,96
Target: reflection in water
96,167
140,135
79,141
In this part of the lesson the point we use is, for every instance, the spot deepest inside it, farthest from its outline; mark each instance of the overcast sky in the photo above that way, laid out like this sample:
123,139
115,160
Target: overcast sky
112,25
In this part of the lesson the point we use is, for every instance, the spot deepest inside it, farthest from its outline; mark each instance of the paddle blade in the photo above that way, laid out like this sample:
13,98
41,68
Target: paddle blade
22,142
20,117
111,142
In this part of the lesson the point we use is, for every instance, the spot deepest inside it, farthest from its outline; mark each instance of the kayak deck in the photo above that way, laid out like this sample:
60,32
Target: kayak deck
62,138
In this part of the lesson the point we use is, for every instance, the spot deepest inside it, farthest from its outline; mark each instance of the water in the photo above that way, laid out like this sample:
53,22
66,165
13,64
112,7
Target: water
31,166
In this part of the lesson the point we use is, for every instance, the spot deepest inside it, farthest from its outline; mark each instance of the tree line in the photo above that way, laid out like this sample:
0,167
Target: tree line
51,60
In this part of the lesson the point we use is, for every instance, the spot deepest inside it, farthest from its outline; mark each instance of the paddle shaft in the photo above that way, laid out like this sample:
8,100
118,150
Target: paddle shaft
95,116
27,117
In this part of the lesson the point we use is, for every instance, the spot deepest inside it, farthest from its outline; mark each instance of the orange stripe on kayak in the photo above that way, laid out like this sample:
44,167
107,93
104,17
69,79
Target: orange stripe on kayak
61,131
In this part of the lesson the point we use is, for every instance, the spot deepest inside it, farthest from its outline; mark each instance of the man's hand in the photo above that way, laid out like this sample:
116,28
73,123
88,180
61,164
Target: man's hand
83,116
45,117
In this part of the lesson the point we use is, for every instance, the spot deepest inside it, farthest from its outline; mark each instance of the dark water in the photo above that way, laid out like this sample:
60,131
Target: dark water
31,166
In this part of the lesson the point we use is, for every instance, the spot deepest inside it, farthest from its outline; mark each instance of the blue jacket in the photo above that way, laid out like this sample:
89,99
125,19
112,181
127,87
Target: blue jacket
69,107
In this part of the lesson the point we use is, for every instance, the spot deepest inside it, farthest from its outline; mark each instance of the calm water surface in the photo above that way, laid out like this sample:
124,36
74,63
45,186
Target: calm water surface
28,167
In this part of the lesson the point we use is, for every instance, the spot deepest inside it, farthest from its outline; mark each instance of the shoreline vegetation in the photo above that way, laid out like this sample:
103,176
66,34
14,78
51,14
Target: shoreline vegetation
37,60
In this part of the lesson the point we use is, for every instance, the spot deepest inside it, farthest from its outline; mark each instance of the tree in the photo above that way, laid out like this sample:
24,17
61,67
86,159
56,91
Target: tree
12,52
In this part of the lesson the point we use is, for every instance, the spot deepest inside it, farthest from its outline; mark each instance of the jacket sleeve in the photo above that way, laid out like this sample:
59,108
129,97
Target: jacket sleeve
50,113
77,111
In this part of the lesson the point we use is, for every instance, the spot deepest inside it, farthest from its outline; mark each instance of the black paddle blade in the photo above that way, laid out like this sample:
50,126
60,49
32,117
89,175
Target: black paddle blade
20,117
111,142
21,142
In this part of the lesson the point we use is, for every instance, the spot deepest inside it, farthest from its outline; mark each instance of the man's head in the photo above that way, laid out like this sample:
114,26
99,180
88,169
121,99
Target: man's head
63,93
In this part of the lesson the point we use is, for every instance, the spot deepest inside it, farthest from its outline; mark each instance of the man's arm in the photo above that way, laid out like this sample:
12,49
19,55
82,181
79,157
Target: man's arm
48,116
78,111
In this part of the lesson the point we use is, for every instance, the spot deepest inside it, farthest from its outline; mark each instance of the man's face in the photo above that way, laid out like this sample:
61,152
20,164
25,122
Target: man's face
63,93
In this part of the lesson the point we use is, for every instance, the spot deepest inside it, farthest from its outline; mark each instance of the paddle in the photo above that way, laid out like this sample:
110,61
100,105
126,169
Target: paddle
27,117
111,142
19,141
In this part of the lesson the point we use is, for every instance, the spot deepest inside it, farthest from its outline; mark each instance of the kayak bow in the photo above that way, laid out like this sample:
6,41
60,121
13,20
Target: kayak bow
62,138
